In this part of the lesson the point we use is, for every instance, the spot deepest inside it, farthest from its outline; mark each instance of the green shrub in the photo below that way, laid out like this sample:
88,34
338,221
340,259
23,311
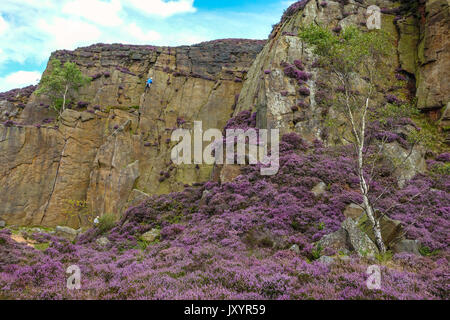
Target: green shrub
106,223
427,252
382,258
317,252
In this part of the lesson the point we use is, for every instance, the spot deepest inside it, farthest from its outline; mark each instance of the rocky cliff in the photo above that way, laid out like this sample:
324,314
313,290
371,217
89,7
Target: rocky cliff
419,69
111,148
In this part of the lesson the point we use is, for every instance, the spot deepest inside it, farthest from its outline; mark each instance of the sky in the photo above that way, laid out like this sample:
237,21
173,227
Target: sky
31,29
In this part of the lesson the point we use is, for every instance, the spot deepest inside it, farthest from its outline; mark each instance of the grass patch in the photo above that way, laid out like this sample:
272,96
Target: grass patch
42,246
106,223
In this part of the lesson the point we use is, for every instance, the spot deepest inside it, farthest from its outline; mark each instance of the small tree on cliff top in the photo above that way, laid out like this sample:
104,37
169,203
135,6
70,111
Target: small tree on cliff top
61,82
351,56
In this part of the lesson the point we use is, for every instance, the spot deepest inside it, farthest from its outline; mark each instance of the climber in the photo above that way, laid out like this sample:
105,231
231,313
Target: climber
149,83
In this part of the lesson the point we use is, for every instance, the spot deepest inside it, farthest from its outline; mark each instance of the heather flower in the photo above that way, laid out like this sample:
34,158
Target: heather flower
337,29
445,157
400,77
390,98
299,64
8,123
82,104
304,91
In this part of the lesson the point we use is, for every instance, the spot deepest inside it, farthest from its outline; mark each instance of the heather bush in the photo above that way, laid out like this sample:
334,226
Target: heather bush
233,242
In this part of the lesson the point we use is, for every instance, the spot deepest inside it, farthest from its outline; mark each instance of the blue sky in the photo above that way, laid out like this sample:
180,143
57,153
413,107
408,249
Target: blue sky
31,29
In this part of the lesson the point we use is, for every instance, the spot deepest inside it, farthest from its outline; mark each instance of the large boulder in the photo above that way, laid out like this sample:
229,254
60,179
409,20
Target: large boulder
353,211
319,189
229,172
407,246
151,235
413,161
359,240
338,241
391,230
66,233
102,242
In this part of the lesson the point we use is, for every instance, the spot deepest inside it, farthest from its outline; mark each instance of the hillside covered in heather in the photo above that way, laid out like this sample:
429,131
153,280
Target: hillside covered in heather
226,231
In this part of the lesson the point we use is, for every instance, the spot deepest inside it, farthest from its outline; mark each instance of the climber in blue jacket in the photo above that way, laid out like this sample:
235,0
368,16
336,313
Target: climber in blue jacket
149,83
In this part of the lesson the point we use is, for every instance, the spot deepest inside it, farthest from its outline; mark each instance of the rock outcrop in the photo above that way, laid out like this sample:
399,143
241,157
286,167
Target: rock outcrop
420,32
111,148
113,144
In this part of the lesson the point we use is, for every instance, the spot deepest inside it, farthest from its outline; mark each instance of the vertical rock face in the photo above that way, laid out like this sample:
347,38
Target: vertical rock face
113,144
420,31
281,101
433,91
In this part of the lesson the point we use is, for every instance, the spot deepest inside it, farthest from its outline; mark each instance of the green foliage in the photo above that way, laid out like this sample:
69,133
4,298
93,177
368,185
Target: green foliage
396,111
443,169
61,82
79,209
42,246
321,226
348,51
106,223
384,257
427,252
317,252
429,136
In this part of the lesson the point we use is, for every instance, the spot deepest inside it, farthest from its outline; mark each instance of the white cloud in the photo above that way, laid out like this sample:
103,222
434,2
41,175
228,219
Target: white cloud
40,27
3,25
163,8
19,79
99,12
64,33
141,37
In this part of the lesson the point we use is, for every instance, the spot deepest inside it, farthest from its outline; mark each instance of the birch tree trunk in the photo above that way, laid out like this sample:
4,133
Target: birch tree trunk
64,100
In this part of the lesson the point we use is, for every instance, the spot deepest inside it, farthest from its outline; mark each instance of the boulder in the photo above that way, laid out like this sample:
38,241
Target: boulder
265,239
103,241
360,241
407,246
205,194
66,233
413,161
151,235
326,260
229,172
295,248
391,230
319,189
70,117
136,197
338,241
353,211
2,224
